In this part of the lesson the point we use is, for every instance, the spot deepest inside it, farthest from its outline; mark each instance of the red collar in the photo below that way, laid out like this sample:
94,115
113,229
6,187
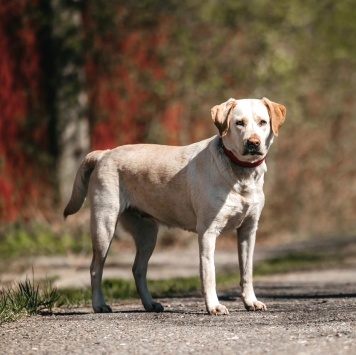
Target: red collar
236,160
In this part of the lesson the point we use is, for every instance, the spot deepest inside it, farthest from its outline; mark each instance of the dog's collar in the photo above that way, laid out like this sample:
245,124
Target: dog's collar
237,161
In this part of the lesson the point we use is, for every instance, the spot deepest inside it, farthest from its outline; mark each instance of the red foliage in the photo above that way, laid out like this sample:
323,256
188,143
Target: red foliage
171,122
121,73
20,81
121,91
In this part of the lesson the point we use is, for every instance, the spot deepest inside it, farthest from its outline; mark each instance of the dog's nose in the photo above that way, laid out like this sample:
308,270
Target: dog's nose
253,142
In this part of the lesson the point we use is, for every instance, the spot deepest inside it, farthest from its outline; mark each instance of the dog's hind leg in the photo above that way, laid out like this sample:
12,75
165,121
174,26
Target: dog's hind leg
144,231
103,224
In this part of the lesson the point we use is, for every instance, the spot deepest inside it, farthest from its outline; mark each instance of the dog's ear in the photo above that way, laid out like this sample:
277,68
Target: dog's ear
220,115
277,113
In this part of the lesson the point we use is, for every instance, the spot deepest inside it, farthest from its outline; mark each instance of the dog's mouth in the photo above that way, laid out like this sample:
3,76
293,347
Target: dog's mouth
248,150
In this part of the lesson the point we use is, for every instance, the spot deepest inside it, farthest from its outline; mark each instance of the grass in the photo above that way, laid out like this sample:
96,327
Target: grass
27,299
32,240
297,261
118,289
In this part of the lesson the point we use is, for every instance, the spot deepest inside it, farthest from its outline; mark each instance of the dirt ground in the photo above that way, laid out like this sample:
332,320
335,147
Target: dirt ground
308,313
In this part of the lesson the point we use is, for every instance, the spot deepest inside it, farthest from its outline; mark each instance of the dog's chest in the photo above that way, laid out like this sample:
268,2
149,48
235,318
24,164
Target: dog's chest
245,190
245,200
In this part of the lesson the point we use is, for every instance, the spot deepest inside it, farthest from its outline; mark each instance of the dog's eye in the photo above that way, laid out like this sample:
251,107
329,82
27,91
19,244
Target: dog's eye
240,123
263,123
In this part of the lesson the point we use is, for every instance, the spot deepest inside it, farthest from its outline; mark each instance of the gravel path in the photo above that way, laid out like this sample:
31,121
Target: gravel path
308,312
302,317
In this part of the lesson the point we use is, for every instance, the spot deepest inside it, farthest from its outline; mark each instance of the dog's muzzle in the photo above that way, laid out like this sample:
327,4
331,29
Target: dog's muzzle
252,146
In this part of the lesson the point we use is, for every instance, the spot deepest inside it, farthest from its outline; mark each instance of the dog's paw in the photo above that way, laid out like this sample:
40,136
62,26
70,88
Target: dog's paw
104,308
255,305
154,307
218,310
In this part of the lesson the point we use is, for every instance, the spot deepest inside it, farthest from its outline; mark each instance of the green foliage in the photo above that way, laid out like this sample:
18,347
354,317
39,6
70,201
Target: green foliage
174,287
73,297
27,299
293,262
20,240
114,289
119,289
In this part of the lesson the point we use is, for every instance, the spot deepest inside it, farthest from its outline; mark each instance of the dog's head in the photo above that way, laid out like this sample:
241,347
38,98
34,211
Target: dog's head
247,127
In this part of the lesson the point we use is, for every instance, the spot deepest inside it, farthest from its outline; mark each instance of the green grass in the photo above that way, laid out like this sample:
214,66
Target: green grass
118,289
297,261
18,241
174,287
27,299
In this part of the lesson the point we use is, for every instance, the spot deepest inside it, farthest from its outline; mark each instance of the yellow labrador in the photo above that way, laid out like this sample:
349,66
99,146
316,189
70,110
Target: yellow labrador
208,187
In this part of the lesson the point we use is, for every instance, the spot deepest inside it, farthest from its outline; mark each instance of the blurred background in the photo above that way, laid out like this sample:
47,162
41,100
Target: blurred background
82,75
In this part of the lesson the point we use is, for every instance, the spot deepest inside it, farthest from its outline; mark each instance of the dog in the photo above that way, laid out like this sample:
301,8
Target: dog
209,187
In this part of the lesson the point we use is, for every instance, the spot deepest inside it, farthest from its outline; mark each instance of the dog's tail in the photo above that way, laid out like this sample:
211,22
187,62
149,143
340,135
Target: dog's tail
81,182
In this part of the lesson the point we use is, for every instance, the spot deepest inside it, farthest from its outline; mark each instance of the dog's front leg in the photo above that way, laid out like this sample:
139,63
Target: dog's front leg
207,274
246,236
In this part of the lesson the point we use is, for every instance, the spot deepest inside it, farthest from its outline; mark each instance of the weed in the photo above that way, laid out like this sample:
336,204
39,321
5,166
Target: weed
26,298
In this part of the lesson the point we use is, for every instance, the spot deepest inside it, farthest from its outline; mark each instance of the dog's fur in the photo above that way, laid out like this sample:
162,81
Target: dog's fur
195,187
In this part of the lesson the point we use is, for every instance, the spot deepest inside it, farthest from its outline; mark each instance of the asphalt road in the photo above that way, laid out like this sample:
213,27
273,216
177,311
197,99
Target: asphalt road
305,316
